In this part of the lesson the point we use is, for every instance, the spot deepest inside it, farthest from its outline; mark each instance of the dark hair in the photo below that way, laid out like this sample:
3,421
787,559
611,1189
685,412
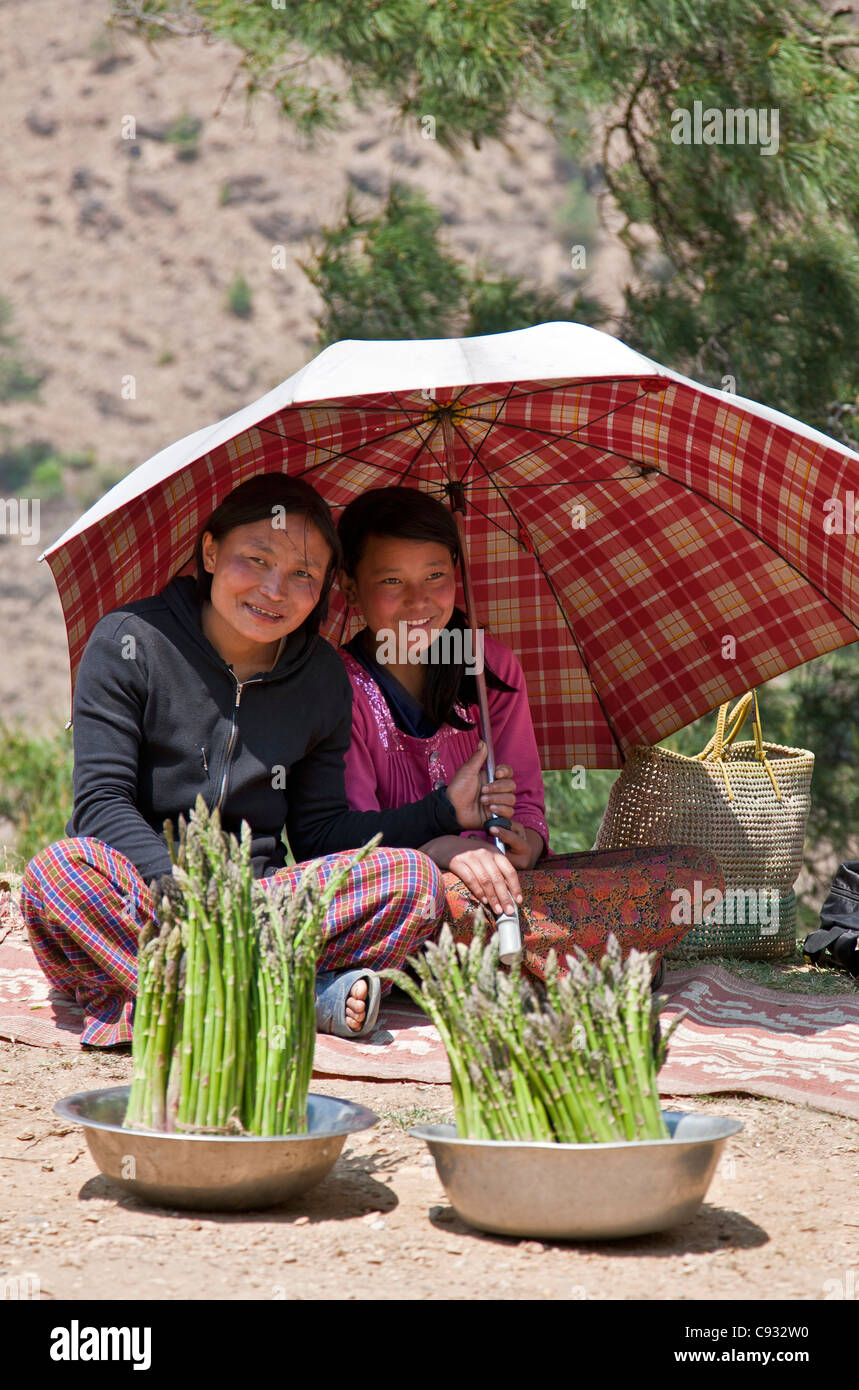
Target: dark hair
257,500
405,513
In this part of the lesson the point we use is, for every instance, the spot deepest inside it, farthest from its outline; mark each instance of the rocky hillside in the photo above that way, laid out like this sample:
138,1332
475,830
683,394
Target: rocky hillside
135,194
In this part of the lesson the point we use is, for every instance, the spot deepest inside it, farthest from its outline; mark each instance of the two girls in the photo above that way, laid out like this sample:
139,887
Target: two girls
220,685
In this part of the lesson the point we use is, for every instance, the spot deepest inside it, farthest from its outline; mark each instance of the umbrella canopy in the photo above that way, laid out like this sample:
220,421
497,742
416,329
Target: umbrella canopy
648,546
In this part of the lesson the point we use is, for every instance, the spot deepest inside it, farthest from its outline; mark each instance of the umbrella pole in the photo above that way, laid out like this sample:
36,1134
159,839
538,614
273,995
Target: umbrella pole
507,924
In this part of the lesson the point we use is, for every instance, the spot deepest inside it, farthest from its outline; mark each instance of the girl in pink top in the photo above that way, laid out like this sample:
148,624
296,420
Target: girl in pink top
415,722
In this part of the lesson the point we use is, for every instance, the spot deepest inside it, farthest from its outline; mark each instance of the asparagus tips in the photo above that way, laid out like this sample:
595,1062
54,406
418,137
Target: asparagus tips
570,1061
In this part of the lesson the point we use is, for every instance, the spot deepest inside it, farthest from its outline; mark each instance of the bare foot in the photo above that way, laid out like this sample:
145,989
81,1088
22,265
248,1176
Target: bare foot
356,1006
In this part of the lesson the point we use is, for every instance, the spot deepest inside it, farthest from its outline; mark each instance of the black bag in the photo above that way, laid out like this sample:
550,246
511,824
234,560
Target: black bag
837,938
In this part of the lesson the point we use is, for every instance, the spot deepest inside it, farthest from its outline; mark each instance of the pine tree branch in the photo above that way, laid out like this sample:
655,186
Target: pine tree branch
135,15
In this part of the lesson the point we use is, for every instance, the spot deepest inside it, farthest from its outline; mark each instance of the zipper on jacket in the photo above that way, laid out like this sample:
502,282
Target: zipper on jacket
240,685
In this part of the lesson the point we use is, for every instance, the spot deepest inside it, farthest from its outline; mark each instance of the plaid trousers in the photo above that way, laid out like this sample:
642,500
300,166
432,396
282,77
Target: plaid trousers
84,904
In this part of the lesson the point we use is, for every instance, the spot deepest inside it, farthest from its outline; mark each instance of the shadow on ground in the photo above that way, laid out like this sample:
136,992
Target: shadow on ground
712,1228
350,1190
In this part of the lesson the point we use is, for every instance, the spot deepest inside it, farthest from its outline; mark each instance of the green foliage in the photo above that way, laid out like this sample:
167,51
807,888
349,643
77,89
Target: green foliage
35,465
17,381
502,303
576,221
826,720
184,134
755,270
798,358
389,276
18,462
35,787
386,276
463,64
80,460
575,802
239,298
38,466
761,249
47,477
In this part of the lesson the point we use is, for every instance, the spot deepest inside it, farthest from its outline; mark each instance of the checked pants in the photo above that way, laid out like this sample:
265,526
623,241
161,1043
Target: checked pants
84,904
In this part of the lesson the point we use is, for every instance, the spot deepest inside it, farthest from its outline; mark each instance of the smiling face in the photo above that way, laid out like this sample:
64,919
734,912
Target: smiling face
267,577
403,582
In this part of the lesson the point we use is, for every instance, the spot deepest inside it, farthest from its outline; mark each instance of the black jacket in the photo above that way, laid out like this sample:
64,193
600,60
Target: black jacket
159,717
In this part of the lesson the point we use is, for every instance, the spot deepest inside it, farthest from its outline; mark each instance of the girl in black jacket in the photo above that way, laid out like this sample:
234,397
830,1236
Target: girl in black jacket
221,685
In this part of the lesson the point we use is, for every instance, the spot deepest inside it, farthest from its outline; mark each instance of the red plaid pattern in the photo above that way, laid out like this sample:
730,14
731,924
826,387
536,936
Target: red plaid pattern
702,520
84,903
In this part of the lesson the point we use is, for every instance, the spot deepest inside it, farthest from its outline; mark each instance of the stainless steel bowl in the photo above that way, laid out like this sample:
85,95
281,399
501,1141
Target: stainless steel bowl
213,1173
580,1191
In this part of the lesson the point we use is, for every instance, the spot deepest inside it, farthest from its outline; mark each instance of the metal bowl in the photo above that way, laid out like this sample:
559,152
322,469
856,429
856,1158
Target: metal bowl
213,1173
580,1191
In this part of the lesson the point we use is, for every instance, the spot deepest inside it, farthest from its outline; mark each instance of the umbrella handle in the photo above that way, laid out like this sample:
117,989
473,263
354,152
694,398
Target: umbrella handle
479,678
509,937
506,924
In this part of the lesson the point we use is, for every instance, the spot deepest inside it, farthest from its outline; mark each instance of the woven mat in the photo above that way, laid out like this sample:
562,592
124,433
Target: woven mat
736,1036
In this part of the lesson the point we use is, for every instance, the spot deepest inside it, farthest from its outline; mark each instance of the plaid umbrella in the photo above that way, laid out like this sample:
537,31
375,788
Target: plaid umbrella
649,547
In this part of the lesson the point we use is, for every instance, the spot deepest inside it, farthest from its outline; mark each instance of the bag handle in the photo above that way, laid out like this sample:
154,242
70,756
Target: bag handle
720,740
714,750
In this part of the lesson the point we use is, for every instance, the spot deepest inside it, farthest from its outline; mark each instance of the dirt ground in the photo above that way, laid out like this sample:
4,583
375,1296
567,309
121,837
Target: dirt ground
117,268
778,1222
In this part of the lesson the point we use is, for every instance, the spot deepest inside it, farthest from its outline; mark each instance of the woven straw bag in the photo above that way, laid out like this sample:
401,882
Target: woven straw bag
746,802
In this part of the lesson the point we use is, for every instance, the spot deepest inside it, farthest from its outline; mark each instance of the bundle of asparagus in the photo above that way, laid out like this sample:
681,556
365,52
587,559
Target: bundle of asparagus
571,1062
283,1005
224,1024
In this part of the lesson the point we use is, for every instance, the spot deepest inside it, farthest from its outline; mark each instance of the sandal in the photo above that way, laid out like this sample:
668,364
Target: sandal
332,991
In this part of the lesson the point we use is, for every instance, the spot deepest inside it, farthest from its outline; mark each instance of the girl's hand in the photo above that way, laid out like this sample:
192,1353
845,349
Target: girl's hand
474,799
489,875
520,850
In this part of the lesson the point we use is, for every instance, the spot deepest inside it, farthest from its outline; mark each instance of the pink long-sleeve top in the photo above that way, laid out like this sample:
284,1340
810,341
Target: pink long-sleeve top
386,768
